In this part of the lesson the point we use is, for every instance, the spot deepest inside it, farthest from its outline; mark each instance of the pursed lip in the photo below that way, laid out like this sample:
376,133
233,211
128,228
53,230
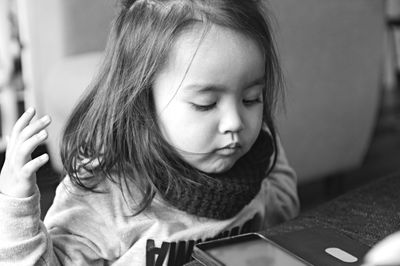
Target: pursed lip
229,149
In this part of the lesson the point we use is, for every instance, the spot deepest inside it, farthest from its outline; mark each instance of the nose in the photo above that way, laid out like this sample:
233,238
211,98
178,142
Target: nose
231,121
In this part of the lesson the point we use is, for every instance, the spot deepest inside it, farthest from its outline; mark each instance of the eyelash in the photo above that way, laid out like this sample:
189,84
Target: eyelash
204,108
253,101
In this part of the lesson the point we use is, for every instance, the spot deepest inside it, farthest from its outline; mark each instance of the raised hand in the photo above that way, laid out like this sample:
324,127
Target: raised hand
18,175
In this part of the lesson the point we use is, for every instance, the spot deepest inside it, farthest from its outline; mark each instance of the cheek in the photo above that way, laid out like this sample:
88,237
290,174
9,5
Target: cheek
260,117
254,118
186,131
254,125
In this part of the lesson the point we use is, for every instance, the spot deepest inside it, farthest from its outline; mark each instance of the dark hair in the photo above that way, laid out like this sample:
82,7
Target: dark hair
113,132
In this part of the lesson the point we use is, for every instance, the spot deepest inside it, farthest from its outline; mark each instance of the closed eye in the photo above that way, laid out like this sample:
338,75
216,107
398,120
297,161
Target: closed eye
250,102
203,108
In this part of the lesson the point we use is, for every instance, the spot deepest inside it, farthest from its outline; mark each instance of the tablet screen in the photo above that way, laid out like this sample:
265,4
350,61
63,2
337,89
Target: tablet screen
257,252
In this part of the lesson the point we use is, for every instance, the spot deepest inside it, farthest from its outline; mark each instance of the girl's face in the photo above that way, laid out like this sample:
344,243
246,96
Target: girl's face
208,97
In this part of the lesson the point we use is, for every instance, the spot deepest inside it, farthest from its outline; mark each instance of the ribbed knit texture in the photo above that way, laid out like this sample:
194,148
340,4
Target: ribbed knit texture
234,189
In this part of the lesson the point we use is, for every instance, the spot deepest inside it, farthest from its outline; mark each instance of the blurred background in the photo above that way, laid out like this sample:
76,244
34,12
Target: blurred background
341,60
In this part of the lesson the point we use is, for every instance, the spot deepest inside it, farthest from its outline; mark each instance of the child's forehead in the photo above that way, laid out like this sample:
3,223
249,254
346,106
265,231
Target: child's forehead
217,56
207,41
209,34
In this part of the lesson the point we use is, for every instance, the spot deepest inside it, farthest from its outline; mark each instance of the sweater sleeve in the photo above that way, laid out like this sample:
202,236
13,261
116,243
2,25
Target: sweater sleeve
23,237
74,234
280,191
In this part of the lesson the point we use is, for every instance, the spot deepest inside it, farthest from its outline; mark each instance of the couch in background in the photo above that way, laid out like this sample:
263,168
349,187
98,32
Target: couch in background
332,55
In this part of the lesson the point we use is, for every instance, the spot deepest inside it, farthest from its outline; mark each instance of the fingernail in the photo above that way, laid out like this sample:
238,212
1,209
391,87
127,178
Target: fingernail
44,157
30,110
42,134
46,119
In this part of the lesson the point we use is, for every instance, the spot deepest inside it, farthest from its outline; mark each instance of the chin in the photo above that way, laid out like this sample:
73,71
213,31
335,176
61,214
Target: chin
218,167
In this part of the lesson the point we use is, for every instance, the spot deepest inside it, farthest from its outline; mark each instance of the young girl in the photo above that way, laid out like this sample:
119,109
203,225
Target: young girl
173,144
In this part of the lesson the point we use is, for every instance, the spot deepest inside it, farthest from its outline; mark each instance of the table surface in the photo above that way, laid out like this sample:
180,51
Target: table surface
366,214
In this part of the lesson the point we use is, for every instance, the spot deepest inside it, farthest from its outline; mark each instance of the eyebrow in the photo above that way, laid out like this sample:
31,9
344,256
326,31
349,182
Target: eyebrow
217,87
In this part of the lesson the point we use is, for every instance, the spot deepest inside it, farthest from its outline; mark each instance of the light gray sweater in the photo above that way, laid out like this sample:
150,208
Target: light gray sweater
84,228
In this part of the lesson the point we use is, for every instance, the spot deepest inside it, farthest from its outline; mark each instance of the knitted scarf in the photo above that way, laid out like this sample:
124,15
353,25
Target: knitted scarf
232,190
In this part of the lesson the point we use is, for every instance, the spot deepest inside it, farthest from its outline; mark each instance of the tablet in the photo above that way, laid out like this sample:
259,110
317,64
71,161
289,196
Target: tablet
251,249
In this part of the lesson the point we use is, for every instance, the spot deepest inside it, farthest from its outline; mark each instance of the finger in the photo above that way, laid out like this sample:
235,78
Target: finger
385,252
21,123
31,167
34,128
27,147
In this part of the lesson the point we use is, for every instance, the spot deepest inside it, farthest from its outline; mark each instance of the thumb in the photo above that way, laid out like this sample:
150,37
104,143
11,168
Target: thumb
385,252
